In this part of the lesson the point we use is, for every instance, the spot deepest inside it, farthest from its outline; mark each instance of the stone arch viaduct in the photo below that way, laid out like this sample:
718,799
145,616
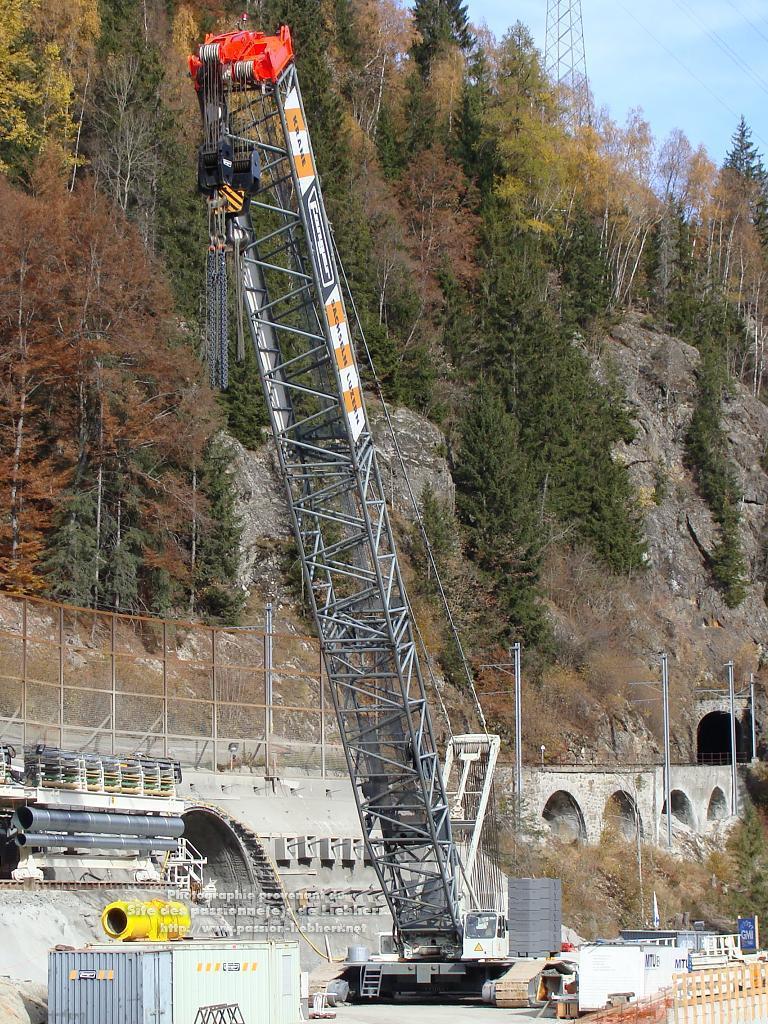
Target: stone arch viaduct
578,802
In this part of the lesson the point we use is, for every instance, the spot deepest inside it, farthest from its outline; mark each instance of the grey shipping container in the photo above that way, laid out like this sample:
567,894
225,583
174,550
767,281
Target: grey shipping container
171,983
535,916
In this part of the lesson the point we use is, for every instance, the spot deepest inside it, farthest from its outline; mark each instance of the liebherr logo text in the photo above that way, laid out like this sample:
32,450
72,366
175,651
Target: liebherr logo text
317,227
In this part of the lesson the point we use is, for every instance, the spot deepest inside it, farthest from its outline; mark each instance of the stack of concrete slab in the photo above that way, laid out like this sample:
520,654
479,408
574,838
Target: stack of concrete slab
535,914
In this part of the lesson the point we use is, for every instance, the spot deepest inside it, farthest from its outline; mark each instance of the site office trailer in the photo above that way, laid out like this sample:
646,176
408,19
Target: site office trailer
640,970
174,982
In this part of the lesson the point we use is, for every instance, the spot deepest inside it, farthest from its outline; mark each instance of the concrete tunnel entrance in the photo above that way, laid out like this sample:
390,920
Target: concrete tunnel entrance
713,739
229,867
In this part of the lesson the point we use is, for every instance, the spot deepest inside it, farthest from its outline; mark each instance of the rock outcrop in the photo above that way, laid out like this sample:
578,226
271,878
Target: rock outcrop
267,550
614,627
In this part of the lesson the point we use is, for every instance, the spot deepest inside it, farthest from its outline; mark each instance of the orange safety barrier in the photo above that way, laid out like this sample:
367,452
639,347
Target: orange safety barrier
654,1010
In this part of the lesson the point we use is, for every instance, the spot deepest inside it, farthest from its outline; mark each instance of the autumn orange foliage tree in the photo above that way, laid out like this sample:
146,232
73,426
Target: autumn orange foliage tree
105,421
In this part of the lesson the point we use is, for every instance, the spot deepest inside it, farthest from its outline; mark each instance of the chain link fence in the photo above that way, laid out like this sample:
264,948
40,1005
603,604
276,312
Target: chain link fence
242,699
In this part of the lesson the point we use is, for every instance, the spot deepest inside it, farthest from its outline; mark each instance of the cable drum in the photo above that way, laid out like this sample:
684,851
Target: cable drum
209,52
242,71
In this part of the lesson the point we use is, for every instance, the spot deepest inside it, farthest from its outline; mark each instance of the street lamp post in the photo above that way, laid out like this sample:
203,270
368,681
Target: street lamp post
752,714
517,653
665,714
734,776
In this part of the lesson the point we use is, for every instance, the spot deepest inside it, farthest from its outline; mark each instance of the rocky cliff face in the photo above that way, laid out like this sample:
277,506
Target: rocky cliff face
610,630
678,609
267,550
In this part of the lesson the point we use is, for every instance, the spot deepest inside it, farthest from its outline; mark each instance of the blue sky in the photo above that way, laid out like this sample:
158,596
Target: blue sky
690,64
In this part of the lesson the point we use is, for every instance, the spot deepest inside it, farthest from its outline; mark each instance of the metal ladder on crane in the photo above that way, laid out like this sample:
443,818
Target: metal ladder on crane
370,981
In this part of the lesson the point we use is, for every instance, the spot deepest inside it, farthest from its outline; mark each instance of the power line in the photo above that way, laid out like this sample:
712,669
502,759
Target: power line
673,56
749,21
724,47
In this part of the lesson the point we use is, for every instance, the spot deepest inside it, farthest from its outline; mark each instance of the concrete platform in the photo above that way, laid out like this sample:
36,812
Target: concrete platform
436,1013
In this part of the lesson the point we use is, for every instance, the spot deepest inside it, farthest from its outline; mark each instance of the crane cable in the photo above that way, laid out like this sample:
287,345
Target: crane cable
418,515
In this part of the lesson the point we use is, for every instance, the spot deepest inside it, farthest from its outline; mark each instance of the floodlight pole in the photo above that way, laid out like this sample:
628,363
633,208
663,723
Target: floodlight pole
734,777
667,759
517,657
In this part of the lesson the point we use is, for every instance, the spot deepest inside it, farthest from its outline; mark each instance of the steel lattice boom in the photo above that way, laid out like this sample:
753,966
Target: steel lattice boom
251,104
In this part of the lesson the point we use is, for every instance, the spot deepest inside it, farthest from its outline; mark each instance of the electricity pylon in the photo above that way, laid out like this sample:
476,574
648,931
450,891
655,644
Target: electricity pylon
564,57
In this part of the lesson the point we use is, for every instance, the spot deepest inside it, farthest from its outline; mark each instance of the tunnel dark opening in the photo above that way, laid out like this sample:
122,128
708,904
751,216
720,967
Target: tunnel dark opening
713,739
228,863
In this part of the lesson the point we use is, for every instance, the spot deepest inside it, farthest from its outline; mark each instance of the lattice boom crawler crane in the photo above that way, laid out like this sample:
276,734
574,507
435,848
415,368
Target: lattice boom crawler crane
258,172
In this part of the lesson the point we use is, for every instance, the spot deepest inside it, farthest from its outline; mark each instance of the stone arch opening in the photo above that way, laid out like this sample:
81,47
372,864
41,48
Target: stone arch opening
565,818
682,809
713,739
717,809
229,867
620,814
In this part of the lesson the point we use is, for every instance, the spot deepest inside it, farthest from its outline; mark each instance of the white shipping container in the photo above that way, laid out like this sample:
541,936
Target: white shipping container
605,969
642,969
661,962
172,982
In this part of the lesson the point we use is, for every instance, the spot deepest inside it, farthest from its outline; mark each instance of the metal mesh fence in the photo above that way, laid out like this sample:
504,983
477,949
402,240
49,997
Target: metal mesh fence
240,699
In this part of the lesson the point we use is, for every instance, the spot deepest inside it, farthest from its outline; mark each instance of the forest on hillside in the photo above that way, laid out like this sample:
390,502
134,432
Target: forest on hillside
489,233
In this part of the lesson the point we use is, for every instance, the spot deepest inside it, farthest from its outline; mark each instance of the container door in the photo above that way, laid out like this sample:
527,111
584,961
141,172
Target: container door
158,1007
289,986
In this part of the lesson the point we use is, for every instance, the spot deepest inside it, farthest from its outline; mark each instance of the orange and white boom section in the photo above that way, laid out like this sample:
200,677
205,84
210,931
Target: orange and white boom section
259,172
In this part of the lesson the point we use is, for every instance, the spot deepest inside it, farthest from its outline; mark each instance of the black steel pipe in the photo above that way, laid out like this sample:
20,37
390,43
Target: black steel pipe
38,819
77,841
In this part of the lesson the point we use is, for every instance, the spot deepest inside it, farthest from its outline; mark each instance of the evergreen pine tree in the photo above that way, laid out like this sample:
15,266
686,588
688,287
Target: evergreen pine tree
243,400
707,453
71,562
583,273
219,597
496,500
743,157
475,147
749,850
568,422
388,146
439,24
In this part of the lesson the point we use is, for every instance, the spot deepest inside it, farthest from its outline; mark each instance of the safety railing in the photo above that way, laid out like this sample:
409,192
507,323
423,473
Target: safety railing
722,995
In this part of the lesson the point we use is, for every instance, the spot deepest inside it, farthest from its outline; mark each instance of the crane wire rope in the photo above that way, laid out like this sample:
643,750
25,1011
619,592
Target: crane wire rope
418,515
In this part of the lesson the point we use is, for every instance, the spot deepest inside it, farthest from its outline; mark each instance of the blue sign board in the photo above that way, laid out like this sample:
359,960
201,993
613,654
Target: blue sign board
748,933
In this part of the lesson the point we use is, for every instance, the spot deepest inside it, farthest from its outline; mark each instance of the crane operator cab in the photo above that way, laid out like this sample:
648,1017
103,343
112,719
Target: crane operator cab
485,935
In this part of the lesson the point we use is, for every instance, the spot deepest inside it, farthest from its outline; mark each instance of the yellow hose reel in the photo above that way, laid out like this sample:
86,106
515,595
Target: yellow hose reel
153,921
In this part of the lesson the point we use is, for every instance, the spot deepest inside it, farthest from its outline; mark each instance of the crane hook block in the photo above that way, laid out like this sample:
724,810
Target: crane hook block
220,166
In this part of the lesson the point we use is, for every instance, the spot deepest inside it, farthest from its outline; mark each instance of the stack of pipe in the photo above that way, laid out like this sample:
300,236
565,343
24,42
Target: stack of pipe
41,828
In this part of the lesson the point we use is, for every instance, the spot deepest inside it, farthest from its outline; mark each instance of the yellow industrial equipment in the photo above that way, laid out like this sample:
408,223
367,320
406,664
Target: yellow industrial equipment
154,920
